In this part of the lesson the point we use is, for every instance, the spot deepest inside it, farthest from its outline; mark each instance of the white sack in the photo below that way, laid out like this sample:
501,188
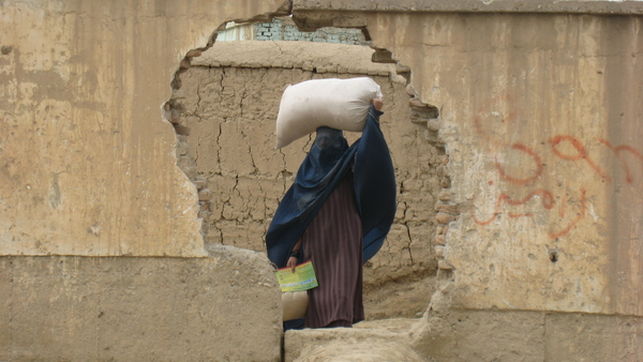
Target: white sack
336,103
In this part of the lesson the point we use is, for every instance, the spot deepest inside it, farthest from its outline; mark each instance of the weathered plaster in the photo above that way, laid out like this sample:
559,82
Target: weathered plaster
540,118
531,105
88,165
224,307
627,7
477,335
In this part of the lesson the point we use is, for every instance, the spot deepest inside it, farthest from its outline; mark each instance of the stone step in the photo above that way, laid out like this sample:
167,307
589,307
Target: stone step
381,340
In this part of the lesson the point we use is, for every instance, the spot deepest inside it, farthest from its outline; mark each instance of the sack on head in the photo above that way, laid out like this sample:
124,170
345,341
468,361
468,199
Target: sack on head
336,103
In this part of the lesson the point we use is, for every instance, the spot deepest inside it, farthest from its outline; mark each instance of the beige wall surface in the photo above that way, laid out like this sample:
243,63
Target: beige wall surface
87,165
542,120
224,307
539,113
465,335
478,6
542,123
479,335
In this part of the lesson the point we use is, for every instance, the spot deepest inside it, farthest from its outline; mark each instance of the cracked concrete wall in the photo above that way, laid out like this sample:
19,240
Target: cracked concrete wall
225,113
87,164
541,121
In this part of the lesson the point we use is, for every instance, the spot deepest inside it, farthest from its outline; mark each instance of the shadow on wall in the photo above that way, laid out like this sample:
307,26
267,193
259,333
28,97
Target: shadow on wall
224,104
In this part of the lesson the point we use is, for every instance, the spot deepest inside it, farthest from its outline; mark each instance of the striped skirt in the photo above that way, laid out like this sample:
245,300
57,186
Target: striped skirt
333,242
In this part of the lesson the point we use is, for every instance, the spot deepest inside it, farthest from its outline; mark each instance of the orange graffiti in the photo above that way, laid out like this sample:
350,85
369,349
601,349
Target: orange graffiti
546,197
563,146
582,153
547,201
477,122
617,150
579,216
562,209
522,181
515,215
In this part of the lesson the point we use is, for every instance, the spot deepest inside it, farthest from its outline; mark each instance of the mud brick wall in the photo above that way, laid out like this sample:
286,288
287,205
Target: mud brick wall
225,117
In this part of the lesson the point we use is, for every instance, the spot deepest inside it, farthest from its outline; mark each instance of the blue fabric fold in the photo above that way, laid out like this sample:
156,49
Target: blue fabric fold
328,161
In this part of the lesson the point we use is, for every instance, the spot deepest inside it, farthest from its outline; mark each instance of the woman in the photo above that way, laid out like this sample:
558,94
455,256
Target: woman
337,214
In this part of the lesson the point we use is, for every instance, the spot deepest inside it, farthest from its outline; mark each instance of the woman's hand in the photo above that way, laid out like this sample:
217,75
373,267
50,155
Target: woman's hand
378,103
292,263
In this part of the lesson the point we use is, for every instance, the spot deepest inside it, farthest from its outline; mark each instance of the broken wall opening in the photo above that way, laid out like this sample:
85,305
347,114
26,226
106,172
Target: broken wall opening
224,103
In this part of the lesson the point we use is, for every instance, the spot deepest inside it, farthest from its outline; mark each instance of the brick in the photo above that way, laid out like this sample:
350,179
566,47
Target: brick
445,195
205,194
439,251
446,208
443,218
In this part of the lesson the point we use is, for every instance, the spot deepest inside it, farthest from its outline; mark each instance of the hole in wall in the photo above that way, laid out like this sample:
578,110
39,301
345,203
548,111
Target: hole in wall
224,102
553,256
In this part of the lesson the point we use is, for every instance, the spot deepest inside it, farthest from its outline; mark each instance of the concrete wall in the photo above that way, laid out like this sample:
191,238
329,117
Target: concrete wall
285,29
88,168
539,112
88,165
225,307
541,120
477,335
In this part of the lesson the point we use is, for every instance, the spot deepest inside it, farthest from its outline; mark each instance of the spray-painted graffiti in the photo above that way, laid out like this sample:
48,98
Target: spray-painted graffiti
618,151
522,181
581,155
546,197
562,146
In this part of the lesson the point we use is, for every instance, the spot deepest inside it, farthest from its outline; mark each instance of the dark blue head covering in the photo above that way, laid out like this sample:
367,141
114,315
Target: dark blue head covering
320,165
328,148
324,167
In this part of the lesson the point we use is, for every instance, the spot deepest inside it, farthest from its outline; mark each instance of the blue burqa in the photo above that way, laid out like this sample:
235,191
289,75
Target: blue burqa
328,161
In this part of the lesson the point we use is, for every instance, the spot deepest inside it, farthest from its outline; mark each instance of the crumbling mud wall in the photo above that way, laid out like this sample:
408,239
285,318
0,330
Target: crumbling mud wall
225,112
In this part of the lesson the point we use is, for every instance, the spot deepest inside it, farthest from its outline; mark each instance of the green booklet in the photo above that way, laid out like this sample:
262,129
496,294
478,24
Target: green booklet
303,278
